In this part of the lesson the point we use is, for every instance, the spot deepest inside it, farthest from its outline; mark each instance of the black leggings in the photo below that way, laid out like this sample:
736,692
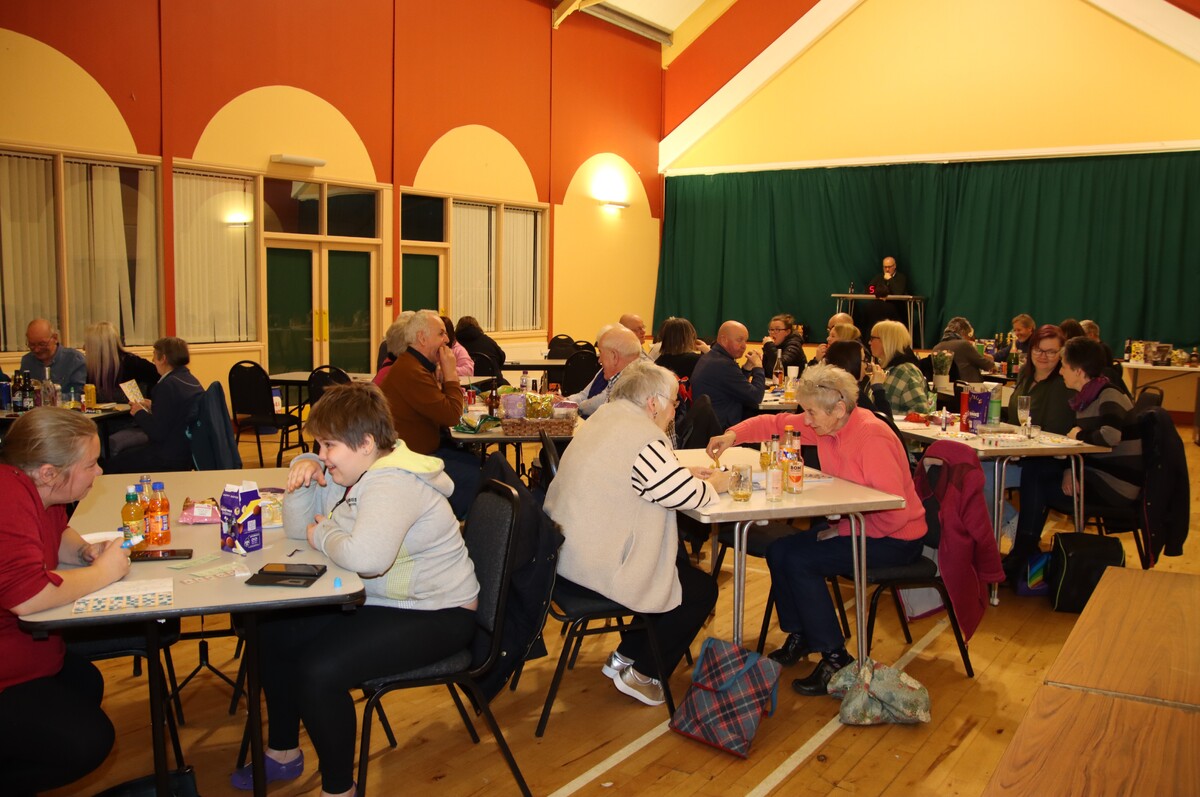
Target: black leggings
311,661
52,730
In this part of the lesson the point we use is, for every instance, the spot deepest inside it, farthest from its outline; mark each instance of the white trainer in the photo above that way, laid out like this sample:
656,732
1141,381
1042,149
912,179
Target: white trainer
615,664
639,687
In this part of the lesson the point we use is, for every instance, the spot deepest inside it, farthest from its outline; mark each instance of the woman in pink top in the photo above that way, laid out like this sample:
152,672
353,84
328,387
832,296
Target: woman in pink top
465,364
854,445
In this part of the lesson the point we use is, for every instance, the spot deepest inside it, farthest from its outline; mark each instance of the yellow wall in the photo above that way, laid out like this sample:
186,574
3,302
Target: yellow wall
49,100
912,77
606,260
474,160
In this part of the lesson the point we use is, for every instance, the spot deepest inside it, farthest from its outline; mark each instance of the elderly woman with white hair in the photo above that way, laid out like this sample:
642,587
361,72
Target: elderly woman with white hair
393,345
854,445
615,496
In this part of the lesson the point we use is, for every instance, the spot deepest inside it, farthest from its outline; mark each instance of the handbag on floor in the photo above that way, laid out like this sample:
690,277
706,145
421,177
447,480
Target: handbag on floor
874,693
1077,562
732,690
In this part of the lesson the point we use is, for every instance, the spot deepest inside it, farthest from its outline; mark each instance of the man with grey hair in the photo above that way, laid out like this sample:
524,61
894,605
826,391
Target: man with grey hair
735,391
617,347
422,408
67,366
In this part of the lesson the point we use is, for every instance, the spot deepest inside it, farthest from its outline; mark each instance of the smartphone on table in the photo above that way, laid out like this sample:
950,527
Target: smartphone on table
160,554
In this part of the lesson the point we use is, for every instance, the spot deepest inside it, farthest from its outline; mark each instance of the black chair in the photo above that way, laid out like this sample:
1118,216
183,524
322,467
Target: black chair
583,345
548,458
322,377
699,425
560,347
490,528
921,573
486,366
577,611
1147,397
210,434
254,408
580,369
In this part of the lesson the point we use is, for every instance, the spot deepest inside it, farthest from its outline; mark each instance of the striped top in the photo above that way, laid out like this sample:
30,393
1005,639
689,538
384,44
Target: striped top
658,477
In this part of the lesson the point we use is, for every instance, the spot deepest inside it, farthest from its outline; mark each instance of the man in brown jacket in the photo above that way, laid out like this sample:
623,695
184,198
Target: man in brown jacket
424,394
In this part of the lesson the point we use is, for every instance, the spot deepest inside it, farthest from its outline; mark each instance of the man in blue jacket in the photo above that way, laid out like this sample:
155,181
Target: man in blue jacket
735,391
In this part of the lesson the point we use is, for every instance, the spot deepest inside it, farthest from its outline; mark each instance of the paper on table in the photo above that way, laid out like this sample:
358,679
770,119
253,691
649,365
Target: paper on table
102,536
136,594
132,392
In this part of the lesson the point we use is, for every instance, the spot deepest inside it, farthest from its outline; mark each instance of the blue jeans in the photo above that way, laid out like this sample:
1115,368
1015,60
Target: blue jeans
1012,478
799,565
463,469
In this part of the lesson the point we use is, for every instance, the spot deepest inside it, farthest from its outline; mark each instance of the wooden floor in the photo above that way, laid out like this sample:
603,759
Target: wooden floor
600,742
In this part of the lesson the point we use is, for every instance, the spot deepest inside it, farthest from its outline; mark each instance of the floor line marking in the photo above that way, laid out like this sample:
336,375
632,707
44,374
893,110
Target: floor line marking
793,762
610,762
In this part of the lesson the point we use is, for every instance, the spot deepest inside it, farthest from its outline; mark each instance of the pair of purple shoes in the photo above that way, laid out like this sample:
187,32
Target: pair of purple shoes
243,779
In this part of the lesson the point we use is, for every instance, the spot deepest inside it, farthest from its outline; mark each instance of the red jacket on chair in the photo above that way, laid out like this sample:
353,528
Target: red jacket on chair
968,558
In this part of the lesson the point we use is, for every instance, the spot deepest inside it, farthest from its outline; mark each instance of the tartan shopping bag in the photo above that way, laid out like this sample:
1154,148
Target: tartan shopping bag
732,689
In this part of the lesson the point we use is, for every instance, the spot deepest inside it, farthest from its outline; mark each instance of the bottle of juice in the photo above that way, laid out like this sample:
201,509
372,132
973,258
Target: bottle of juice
158,517
793,463
133,519
774,480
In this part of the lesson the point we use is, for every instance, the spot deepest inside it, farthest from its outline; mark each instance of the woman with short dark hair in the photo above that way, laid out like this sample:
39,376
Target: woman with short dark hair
52,728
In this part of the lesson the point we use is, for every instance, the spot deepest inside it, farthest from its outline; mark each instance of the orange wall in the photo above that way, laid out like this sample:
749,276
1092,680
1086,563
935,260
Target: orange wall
115,41
724,49
218,49
607,98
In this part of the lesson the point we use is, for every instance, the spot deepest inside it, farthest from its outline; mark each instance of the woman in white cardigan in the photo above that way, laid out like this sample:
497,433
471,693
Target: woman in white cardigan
615,496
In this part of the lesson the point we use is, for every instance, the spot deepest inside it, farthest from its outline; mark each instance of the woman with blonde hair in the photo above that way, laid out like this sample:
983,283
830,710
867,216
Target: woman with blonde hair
109,364
52,728
901,376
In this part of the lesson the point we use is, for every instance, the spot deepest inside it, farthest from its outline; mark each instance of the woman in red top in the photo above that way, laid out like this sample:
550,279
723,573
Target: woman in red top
854,445
52,729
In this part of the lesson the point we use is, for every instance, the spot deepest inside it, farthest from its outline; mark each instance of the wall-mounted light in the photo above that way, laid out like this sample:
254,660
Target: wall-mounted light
238,218
608,186
297,160
611,205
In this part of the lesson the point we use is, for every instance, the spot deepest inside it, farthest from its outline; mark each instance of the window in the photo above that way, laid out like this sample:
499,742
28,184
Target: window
215,279
28,278
110,258
112,249
502,289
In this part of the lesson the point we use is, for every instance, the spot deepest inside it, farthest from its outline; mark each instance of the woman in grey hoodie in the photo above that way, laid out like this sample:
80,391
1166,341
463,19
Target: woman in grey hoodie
372,506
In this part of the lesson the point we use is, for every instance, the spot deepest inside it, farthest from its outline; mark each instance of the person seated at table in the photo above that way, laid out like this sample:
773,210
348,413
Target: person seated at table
680,349
906,387
959,339
52,728
848,355
393,345
783,342
109,364
617,347
735,391
1072,328
374,507
1103,417
67,366
1022,328
1042,381
471,335
842,321
163,421
856,446
634,323
422,407
463,364
615,496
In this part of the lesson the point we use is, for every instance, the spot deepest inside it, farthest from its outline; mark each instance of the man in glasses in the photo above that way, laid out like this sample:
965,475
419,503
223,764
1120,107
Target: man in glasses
67,366
887,283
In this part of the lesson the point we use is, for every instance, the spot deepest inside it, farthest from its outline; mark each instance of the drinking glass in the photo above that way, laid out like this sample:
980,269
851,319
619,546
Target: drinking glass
741,482
1023,409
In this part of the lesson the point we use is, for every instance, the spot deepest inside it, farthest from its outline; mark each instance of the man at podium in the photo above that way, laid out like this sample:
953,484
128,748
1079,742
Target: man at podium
889,282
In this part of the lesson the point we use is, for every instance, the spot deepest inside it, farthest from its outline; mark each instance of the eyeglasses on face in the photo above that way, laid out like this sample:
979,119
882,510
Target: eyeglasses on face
1046,354
776,329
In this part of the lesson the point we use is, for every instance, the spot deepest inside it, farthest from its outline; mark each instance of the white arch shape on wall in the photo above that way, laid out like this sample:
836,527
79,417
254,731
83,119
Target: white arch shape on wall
51,101
271,120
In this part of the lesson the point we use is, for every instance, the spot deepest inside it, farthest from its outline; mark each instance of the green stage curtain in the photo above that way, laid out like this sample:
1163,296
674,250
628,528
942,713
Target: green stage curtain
1107,238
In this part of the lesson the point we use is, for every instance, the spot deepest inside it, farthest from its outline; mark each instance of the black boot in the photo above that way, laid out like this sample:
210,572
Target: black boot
792,651
817,682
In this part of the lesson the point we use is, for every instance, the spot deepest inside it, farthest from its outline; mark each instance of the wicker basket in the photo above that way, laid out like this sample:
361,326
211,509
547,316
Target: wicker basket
530,427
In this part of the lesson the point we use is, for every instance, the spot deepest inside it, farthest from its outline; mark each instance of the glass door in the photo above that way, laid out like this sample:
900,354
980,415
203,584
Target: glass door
319,308
420,279
346,321
290,302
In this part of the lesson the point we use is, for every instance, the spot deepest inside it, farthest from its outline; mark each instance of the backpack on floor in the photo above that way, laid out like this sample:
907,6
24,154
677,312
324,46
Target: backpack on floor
1077,562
